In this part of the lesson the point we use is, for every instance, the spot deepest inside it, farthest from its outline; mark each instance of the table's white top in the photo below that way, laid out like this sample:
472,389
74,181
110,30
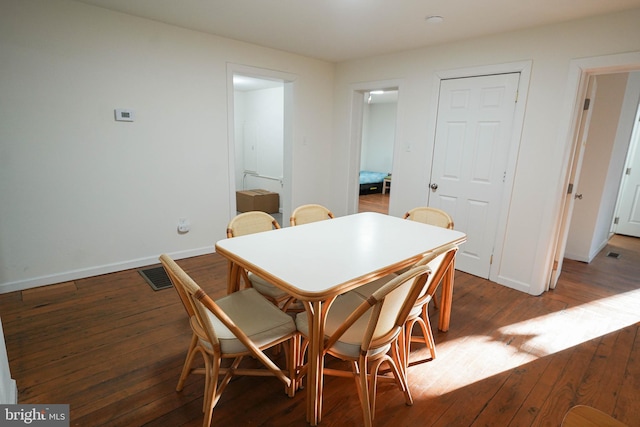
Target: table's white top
325,258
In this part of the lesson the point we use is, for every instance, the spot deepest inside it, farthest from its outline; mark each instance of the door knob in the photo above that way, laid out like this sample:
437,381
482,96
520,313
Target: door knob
434,186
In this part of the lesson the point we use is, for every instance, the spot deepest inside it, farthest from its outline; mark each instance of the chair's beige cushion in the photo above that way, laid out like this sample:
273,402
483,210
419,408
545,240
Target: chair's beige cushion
258,318
350,342
264,287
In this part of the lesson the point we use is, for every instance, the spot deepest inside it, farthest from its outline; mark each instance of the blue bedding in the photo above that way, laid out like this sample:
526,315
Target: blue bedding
368,177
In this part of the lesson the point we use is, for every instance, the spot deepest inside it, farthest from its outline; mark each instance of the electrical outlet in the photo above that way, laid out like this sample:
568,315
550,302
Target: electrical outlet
183,225
124,115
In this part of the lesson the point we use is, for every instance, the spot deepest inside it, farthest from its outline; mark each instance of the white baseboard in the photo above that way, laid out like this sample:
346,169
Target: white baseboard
67,276
589,257
575,257
514,284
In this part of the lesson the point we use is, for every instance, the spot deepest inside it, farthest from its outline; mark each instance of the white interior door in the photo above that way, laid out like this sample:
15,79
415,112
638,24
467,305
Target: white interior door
629,204
574,176
471,152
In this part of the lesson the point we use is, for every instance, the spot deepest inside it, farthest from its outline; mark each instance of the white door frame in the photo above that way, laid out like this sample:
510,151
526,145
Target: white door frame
524,68
358,91
580,70
289,82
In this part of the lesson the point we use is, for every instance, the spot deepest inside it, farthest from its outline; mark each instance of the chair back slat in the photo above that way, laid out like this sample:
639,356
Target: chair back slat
177,285
439,262
183,283
306,214
429,215
387,309
250,223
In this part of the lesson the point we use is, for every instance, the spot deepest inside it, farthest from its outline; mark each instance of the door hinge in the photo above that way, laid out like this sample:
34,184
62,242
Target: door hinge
491,260
570,189
517,94
555,265
616,220
628,171
587,102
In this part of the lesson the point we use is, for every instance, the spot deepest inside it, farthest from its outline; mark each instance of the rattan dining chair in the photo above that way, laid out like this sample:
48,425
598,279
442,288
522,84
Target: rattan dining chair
441,262
369,332
197,333
309,213
432,216
439,218
240,324
257,222
588,416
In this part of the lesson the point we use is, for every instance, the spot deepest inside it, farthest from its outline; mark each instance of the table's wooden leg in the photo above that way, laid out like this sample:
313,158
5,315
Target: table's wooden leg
316,365
233,278
447,298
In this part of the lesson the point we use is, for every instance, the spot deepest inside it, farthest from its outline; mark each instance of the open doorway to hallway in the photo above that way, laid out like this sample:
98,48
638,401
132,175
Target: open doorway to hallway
379,113
372,144
610,167
260,139
607,146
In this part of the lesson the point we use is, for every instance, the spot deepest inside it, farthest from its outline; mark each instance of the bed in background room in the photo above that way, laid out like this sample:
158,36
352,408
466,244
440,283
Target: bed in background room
371,182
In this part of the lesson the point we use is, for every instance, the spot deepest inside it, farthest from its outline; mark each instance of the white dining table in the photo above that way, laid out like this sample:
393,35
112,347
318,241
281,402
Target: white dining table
316,262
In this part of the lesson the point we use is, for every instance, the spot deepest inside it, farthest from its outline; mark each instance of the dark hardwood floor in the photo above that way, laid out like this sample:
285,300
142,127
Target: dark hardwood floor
376,202
112,348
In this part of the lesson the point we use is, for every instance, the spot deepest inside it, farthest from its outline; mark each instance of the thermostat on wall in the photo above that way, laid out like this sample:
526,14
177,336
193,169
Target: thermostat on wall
124,115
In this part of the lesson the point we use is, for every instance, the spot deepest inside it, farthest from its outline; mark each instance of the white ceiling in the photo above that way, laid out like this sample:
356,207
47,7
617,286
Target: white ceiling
339,30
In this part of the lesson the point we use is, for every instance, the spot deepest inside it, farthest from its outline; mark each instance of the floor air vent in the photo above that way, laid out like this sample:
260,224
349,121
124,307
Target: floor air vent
613,255
156,277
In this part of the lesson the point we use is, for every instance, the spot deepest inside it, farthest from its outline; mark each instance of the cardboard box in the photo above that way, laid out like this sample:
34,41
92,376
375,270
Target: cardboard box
257,200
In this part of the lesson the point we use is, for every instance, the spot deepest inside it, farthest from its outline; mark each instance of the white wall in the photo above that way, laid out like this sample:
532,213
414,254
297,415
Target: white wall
82,194
538,182
603,162
378,136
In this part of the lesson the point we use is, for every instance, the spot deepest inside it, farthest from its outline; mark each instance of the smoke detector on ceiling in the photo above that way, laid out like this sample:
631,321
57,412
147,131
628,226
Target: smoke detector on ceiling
434,19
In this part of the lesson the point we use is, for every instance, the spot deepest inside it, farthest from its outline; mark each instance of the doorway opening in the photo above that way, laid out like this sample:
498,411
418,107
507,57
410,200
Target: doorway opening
614,104
582,73
259,136
260,145
374,115
376,150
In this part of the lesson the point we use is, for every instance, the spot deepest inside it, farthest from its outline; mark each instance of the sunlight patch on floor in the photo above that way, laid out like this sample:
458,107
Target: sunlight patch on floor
523,342
564,329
